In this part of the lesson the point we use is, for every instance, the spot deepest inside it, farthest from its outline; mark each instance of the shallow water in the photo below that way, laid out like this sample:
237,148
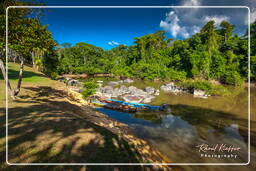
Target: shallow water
192,121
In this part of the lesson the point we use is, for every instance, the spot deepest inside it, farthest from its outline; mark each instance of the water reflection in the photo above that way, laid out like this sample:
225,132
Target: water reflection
218,120
178,135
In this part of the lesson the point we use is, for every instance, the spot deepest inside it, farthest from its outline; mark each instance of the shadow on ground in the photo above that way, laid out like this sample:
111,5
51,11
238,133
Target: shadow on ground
43,129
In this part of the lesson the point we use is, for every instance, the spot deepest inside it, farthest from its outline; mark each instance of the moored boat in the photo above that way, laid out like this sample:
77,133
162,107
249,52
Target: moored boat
125,106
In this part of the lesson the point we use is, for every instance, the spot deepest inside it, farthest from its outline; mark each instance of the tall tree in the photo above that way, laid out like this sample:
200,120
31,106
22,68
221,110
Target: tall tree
24,36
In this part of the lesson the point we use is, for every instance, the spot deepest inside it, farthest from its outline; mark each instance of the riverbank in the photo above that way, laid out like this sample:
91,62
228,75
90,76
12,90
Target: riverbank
134,90
48,123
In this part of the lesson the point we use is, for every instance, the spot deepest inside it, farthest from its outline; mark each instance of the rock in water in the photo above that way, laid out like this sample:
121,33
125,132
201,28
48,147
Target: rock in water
72,82
115,92
107,91
165,88
128,81
171,87
150,90
120,81
123,90
157,92
200,94
132,90
148,99
113,83
131,98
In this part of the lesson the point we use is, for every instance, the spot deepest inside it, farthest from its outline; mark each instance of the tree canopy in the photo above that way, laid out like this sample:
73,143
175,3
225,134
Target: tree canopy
213,53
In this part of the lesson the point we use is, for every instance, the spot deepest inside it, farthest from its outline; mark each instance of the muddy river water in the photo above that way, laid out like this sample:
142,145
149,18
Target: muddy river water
213,130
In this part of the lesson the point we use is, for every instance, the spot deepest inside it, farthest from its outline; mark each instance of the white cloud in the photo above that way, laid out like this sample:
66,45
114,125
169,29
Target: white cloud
113,43
192,19
191,3
253,15
171,25
217,19
195,29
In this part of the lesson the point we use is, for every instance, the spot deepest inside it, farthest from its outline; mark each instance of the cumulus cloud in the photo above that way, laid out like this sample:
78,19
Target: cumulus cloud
171,25
189,21
195,29
113,43
191,2
253,15
217,19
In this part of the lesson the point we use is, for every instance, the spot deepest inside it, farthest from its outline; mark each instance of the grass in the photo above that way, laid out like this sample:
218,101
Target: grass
45,127
30,75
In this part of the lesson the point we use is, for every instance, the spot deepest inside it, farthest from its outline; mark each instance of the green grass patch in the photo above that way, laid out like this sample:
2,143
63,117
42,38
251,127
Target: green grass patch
30,75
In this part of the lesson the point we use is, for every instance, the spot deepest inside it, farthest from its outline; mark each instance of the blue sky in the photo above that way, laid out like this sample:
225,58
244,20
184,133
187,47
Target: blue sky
102,27
107,28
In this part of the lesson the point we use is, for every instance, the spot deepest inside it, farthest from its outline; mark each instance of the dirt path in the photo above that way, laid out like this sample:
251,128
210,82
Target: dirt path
48,124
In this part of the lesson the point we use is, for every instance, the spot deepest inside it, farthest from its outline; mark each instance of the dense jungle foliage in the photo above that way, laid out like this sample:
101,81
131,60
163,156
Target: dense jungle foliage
215,53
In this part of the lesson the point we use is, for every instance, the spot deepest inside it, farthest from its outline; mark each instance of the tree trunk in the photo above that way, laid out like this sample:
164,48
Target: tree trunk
16,92
5,79
33,59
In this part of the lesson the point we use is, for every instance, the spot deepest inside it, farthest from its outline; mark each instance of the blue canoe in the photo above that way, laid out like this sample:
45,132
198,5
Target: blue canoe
136,105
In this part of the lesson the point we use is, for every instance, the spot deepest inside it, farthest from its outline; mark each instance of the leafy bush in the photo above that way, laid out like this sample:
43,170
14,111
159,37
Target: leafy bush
123,71
90,85
233,78
53,75
89,89
88,92
175,75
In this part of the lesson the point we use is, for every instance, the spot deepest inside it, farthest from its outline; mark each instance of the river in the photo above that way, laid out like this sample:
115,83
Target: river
219,122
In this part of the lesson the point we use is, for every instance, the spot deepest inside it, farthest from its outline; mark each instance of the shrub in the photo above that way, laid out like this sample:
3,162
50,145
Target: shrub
88,92
89,89
53,75
90,85
175,75
233,78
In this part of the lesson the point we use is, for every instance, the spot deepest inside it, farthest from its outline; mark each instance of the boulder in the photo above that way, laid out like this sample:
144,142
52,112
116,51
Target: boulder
150,90
113,83
132,90
123,90
200,94
141,92
128,80
157,92
132,98
120,81
170,84
129,94
72,82
171,87
148,99
165,88
116,92
108,90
